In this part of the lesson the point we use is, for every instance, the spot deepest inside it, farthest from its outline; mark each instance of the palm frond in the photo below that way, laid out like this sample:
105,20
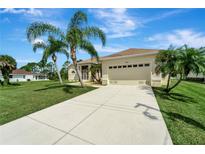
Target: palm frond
64,51
89,48
37,45
38,29
77,20
46,55
95,32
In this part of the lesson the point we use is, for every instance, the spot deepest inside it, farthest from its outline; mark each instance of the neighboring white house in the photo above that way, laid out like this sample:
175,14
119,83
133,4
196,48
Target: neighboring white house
20,75
131,66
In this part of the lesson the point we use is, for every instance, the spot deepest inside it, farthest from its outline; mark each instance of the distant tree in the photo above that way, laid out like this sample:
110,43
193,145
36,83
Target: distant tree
30,67
64,70
7,65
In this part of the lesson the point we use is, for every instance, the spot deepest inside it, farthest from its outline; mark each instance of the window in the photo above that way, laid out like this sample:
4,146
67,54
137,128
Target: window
114,66
135,65
124,66
24,76
110,67
10,76
119,66
146,65
129,66
140,65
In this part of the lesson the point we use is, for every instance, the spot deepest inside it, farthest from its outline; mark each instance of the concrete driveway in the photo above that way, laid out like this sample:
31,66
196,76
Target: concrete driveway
115,114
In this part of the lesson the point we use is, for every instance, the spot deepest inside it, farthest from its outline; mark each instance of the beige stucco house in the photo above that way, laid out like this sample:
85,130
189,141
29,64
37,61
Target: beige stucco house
131,66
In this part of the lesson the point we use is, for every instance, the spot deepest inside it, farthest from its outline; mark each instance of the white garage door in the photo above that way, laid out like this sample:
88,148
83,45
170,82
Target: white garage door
130,72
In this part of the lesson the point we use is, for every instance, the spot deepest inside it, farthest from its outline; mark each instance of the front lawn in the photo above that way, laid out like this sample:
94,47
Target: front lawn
184,112
22,99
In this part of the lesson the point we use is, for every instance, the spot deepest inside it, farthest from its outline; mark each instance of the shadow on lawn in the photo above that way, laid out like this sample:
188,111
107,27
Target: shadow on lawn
174,96
177,116
171,115
65,88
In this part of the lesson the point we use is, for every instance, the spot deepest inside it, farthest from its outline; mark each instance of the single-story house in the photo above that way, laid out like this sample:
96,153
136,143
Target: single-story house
131,66
20,75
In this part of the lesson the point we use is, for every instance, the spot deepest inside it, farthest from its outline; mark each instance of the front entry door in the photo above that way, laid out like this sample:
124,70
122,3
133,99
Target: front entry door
85,72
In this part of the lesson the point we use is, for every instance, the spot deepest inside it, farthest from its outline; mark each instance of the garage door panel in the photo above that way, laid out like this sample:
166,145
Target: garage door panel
142,73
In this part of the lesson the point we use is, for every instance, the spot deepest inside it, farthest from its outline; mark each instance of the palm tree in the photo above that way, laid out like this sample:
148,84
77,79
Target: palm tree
166,63
192,59
7,65
180,61
78,36
51,48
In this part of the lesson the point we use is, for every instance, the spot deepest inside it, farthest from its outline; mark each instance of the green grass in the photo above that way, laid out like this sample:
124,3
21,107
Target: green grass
22,99
184,112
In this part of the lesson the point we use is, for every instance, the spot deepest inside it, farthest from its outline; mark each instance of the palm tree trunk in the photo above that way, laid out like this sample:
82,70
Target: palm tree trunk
176,84
168,82
59,76
73,57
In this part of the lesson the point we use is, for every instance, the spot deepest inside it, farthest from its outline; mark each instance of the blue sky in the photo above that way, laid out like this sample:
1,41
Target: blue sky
124,28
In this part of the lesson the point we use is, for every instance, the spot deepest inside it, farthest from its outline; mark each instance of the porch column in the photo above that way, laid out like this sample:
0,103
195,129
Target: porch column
89,73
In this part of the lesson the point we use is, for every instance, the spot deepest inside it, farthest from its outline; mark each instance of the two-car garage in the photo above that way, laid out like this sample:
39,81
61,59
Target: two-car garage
129,72
132,69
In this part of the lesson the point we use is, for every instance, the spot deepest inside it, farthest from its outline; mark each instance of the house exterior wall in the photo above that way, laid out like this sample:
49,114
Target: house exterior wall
138,75
132,76
20,78
72,75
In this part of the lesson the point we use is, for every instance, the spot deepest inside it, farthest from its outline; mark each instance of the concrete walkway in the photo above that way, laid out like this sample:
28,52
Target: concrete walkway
115,114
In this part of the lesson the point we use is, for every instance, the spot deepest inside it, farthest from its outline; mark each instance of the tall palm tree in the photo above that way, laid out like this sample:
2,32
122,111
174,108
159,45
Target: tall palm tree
51,48
78,36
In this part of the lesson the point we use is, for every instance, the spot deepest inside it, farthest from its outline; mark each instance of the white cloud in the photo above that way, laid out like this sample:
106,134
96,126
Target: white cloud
31,11
38,40
116,22
178,37
164,15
